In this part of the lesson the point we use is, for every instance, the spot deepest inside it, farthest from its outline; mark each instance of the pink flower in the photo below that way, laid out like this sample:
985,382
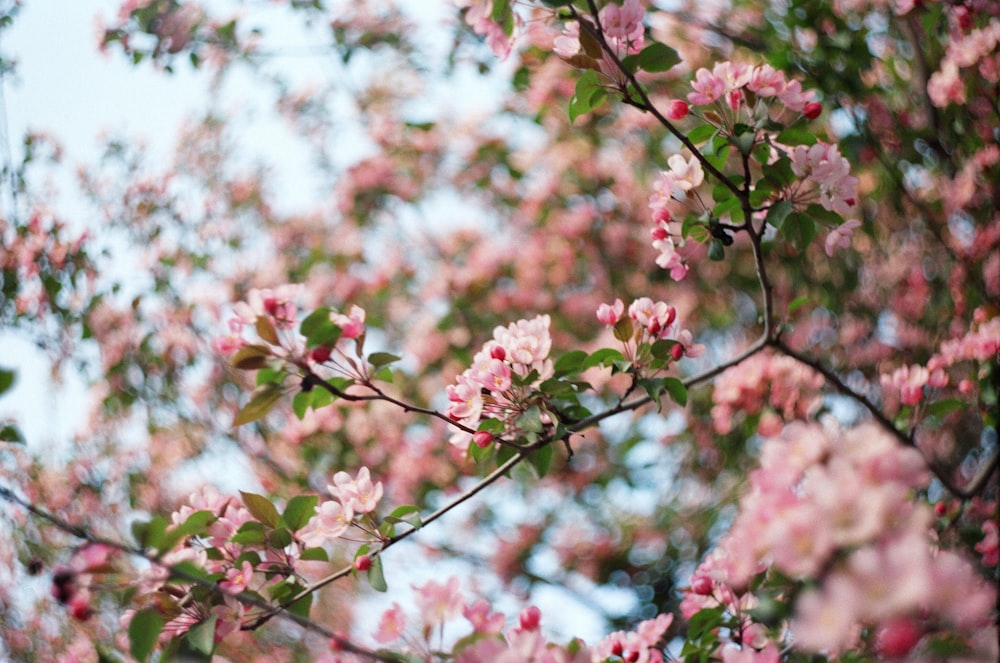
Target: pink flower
330,521
610,314
438,602
359,494
237,579
482,618
623,24
989,547
352,325
392,625
840,237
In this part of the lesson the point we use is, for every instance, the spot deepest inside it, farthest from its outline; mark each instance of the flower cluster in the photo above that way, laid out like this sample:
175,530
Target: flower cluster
910,385
245,545
266,309
71,583
647,322
501,379
732,86
622,26
978,48
352,498
479,15
776,387
822,165
487,643
835,505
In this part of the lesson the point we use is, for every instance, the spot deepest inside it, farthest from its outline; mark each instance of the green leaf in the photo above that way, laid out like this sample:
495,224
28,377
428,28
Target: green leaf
251,357
570,363
302,606
677,390
315,555
380,359
260,404
657,57
319,329
491,425
701,134
376,576
796,136
541,460
302,402
250,534
202,635
797,304
603,357
662,347
799,229
531,420
943,408
12,434
261,508
777,213
143,632
589,94
299,510
408,513
716,250
280,538
7,379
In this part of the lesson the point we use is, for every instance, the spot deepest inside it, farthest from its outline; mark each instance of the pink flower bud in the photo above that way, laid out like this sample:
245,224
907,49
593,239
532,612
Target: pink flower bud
530,618
362,562
659,233
482,438
701,585
80,608
661,215
812,110
676,352
677,109
319,354
897,638
498,352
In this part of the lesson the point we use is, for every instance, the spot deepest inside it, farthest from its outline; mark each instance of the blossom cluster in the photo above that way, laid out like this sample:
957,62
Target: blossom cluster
352,497
246,546
776,387
439,602
622,27
979,48
824,166
910,385
501,379
647,322
835,506
732,85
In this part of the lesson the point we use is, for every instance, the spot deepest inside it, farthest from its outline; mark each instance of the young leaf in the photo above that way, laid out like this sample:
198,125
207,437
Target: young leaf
588,95
570,363
11,433
261,508
266,330
380,359
251,357
376,577
260,404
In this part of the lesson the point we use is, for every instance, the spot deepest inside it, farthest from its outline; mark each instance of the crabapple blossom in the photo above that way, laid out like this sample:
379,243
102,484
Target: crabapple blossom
840,237
622,25
329,523
357,494
609,314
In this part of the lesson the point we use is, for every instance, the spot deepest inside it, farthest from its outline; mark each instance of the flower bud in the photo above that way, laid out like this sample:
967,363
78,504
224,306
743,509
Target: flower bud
498,352
677,352
319,354
362,562
701,585
812,110
677,109
482,438
530,618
